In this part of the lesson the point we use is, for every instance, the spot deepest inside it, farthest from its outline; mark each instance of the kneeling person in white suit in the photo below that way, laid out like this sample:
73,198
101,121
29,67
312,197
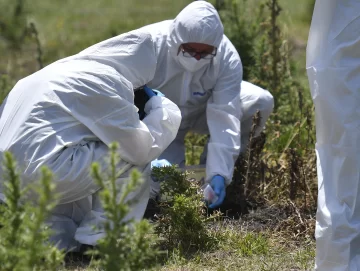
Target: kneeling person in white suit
66,115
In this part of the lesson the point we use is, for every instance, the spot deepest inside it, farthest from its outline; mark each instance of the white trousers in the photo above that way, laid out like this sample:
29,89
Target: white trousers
253,98
79,222
333,67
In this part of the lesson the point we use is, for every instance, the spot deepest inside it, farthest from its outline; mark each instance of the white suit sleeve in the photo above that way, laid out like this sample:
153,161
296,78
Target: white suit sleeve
223,118
140,141
113,117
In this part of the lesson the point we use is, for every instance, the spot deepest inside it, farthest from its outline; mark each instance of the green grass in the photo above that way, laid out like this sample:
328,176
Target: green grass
69,26
295,19
242,249
66,27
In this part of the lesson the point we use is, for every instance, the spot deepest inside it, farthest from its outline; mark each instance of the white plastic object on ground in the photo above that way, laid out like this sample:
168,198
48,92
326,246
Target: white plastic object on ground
209,194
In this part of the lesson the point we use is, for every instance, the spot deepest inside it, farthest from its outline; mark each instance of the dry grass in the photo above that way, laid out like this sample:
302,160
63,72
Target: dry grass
258,241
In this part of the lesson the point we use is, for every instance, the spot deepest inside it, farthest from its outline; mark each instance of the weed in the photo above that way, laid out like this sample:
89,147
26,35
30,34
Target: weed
194,144
24,234
19,41
278,168
245,244
5,86
253,244
13,22
127,245
305,257
182,222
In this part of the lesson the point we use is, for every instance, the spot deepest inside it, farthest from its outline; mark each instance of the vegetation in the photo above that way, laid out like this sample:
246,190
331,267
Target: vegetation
127,245
23,234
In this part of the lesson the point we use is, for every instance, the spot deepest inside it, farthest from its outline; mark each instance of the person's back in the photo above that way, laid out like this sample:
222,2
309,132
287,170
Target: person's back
44,120
66,116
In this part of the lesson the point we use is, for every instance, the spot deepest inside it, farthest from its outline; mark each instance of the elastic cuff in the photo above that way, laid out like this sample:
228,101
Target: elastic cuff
153,103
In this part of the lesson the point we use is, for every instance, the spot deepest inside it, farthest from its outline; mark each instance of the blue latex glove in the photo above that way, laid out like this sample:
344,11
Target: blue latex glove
218,185
149,92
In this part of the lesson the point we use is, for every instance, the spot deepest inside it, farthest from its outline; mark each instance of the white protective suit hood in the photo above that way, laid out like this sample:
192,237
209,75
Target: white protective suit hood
119,52
199,22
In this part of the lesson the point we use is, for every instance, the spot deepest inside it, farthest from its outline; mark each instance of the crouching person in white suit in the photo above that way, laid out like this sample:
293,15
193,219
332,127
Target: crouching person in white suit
66,115
200,70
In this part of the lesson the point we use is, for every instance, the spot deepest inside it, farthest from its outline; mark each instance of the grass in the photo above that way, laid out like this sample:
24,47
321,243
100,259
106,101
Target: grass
69,26
242,247
296,18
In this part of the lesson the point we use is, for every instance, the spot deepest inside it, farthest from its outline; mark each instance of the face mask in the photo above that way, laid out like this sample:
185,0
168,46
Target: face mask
191,64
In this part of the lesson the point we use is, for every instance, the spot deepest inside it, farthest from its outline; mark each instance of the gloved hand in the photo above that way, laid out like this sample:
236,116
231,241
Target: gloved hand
142,96
218,185
149,92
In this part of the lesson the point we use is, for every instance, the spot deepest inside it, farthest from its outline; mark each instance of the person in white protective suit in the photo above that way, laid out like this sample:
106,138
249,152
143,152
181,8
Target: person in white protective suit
66,115
200,70
333,67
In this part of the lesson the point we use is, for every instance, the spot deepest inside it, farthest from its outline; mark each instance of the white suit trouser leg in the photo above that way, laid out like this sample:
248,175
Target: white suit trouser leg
253,98
333,66
73,223
64,221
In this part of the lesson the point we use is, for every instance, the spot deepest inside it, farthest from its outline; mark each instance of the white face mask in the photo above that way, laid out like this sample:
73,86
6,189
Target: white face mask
191,64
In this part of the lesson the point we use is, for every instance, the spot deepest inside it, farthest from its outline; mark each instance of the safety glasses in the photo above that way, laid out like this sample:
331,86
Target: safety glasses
189,52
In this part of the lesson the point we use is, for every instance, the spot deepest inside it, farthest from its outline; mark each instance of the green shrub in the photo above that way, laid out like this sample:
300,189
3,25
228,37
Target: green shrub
24,234
183,222
13,22
127,245
5,86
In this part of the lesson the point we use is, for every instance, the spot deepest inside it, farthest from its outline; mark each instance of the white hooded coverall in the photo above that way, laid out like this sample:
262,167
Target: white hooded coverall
333,67
65,116
210,99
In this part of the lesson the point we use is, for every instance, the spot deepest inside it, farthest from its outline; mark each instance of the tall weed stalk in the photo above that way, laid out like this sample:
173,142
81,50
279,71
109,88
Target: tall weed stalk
127,244
279,167
23,234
